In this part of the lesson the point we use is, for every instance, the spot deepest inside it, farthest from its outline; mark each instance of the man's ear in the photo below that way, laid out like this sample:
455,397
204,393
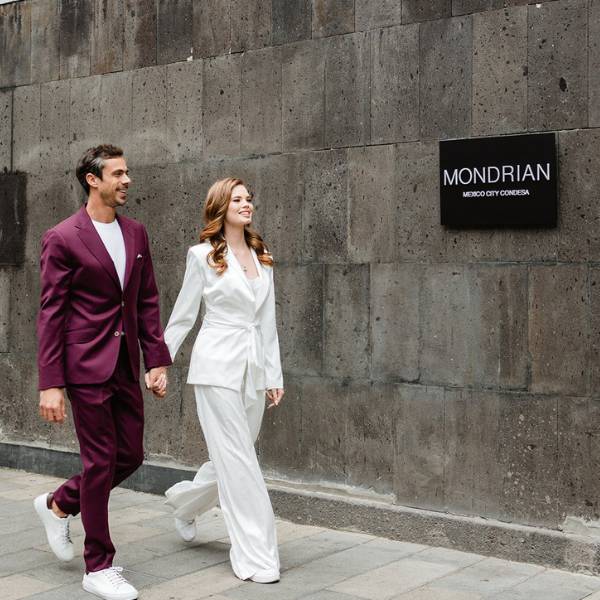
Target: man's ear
92,180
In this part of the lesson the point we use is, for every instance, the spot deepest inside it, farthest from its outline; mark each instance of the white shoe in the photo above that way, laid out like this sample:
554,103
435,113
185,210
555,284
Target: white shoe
109,584
186,529
57,529
265,577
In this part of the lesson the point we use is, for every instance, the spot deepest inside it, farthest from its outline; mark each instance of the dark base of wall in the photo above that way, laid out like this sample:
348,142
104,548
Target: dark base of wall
313,507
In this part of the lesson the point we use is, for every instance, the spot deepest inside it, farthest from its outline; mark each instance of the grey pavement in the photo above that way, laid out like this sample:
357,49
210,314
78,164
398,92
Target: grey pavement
317,563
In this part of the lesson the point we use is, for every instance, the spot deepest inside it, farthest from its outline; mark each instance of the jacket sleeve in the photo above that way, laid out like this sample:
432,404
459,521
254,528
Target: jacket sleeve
55,279
187,305
268,328
150,332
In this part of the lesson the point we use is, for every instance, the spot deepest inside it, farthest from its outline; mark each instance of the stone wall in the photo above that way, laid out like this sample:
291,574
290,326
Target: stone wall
450,370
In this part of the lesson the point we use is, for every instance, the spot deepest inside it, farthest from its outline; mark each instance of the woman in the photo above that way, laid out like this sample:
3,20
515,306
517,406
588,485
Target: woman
235,360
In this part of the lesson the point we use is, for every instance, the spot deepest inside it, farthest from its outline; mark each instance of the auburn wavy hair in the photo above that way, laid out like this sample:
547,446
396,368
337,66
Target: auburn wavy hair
215,209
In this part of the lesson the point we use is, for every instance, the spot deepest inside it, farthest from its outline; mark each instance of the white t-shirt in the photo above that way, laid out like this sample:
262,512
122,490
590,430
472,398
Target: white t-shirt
112,237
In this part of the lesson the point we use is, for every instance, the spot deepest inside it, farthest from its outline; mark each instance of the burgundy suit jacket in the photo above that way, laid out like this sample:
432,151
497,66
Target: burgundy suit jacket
83,310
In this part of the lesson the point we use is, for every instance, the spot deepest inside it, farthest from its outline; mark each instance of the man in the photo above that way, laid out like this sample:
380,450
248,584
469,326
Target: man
98,298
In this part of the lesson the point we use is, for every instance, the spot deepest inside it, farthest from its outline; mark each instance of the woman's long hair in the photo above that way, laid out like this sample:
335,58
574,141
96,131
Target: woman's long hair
215,209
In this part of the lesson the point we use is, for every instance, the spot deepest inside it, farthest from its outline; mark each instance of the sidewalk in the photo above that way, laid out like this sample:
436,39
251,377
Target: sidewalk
317,563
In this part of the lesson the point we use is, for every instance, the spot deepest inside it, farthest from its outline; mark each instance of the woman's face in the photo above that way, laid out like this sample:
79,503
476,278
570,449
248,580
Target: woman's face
240,209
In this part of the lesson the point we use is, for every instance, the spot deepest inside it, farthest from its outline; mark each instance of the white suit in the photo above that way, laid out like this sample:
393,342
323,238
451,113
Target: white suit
234,359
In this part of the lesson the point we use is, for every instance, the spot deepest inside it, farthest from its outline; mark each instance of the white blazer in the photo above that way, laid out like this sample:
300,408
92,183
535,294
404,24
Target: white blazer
238,330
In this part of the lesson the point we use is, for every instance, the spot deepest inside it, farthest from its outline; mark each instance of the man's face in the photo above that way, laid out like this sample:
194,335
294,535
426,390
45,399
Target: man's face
114,183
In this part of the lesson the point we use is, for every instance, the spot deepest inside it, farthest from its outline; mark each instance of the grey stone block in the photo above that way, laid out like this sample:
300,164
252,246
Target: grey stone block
76,18
174,31
45,52
54,125
473,326
595,328
106,46
13,195
6,107
445,79
184,111
325,208
594,63
250,24
5,285
347,82
15,44
346,321
261,116
558,77
211,30
26,129
394,315
371,14
299,294
292,20
25,286
85,120
417,10
139,33
149,118
222,96
373,206
395,84
463,7
420,457
332,17
500,71
303,109
559,312
116,108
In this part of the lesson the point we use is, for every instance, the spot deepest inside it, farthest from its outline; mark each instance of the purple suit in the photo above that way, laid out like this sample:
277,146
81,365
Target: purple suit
88,332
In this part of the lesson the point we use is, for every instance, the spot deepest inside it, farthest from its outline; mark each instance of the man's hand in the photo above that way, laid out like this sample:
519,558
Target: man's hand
52,405
274,395
156,380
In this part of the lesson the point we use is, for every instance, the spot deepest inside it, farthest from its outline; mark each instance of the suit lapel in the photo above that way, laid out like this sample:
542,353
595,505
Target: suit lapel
232,261
129,239
263,289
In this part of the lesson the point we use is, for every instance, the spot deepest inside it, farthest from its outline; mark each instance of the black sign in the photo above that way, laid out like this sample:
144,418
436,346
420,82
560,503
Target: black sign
499,182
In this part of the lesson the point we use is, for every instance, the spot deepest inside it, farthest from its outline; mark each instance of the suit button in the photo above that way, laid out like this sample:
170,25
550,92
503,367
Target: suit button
117,334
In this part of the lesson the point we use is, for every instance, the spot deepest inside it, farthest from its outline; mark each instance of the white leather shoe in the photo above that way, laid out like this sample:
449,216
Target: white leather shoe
265,577
186,529
57,529
109,584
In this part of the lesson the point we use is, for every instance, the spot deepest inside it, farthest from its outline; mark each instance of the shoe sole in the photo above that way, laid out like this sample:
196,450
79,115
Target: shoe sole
92,590
39,504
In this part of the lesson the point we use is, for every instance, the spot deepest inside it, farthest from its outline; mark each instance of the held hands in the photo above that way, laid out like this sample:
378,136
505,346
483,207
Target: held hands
156,380
274,395
52,405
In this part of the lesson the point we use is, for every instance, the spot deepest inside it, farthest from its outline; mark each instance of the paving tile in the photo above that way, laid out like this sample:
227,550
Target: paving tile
15,587
429,593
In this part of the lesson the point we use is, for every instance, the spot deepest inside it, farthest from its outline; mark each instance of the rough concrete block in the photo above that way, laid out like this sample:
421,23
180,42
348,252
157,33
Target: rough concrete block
292,20
373,207
6,107
13,190
149,119
299,294
23,314
579,161
347,81
184,111
174,31
395,84
303,79
85,115
106,46
250,24
221,103
325,208
11,413
420,457
26,129
332,17
417,10
76,18
473,323
54,125
139,33
558,75
116,108
211,28
595,328
394,315
500,71
594,63
445,79
45,52
559,312
372,14
15,44
346,321
261,117
463,7
5,281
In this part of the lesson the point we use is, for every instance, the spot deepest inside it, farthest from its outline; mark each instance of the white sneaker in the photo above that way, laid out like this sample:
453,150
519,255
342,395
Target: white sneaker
186,529
265,577
57,529
109,584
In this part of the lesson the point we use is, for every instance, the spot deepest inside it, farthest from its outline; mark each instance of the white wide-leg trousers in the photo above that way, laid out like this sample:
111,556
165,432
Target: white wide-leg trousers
230,422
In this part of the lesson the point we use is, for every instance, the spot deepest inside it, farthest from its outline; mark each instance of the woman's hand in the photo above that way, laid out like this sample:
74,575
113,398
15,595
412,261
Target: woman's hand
274,395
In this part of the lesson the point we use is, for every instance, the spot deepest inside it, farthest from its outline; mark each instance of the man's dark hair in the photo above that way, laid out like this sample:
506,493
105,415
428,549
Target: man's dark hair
92,162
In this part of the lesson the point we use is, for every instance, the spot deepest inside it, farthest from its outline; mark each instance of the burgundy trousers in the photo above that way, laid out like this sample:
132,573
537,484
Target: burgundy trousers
109,421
